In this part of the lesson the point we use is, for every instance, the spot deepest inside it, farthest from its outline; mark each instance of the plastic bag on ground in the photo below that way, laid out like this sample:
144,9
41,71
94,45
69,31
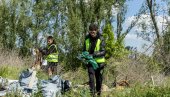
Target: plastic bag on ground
54,86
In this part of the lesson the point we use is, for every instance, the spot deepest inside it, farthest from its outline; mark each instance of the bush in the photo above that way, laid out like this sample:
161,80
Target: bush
114,48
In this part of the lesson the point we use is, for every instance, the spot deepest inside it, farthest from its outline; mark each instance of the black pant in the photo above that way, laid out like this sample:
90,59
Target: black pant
53,66
95,74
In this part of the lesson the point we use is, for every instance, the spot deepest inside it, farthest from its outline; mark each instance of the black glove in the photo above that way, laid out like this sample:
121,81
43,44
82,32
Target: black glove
95,54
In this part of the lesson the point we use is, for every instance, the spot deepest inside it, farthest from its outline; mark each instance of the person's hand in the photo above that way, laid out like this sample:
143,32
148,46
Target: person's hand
101,66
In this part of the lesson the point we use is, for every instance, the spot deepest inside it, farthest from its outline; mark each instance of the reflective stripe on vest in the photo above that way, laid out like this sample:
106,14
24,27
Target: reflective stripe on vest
53,57
97,48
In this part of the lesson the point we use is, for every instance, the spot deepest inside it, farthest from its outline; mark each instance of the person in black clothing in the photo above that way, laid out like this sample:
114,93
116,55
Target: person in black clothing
51,55
95,45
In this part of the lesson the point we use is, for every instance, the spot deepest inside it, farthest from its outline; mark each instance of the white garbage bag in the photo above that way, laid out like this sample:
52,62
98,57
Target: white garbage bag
44,62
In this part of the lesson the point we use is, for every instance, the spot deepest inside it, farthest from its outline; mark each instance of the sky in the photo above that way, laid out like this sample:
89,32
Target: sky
132,39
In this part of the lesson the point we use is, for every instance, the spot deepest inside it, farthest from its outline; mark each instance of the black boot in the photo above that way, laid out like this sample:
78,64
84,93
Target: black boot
99,94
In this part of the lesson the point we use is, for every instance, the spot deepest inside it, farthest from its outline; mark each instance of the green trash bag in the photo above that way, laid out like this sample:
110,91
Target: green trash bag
86,58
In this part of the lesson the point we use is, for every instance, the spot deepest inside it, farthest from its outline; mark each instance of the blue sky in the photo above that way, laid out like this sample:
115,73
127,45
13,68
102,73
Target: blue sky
132,39
133,8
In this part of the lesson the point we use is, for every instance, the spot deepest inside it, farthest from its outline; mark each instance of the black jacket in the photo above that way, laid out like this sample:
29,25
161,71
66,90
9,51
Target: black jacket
93,42
46,51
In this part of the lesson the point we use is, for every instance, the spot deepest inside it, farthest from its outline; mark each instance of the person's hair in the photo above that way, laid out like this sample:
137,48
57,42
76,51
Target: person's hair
51,37
93,27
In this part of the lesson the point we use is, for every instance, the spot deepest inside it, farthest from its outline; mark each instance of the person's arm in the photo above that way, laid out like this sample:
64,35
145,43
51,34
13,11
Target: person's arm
43,50
102,51
46,51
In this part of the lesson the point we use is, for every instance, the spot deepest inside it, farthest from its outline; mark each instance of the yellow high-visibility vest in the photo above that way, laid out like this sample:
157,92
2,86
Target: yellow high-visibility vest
97,48
53,57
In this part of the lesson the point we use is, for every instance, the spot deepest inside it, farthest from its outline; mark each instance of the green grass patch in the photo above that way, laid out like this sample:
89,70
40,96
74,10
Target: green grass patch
139,91
41,74
10,72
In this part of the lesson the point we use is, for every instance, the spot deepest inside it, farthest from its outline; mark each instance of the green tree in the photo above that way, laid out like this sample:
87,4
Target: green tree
108,34
8,19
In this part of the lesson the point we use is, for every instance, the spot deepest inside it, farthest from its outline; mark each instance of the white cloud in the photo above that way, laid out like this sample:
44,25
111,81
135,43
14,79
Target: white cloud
132,40
161,22
168,19
114,10
132,37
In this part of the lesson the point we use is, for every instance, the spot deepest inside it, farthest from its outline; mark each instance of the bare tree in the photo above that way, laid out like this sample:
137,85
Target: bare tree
152,15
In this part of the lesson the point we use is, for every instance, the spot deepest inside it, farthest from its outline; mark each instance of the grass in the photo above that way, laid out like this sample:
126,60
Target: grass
139,91
134,70
10,72
41,74
80,76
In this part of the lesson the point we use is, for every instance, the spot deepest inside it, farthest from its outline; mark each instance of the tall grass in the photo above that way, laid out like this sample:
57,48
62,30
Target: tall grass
11,64
10,58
